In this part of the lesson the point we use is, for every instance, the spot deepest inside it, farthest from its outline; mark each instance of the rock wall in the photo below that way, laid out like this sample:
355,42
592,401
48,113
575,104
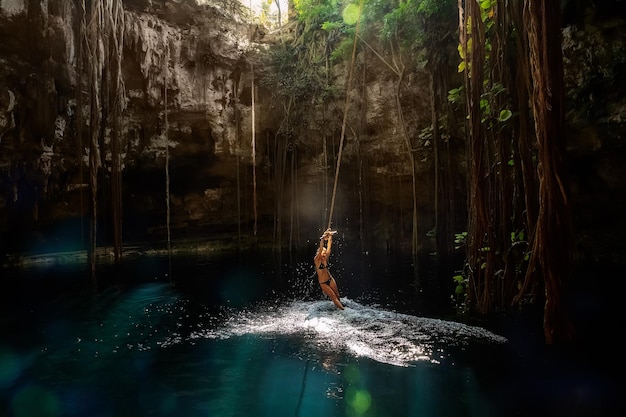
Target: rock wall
197,51
188,76
187,71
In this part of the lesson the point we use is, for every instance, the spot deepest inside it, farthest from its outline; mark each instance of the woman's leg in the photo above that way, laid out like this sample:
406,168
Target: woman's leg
333,285
330,292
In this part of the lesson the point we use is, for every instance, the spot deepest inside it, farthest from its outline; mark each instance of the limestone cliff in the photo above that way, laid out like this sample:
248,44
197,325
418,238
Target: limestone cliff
191,73
200,58
201,53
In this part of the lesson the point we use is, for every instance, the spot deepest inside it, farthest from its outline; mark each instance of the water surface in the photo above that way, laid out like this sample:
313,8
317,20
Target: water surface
252,335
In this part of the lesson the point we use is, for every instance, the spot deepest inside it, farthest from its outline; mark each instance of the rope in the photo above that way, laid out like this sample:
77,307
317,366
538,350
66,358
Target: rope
345,115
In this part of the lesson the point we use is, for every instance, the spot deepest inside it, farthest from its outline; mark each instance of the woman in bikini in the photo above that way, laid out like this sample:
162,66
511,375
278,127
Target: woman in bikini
327,282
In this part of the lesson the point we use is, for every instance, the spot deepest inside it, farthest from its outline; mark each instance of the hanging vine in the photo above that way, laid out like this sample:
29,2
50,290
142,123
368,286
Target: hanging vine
103,37
511,56
551,245
254,185
166,129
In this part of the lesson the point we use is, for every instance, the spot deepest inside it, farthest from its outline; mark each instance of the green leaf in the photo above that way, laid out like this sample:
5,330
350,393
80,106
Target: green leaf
461,51
505,115
485,4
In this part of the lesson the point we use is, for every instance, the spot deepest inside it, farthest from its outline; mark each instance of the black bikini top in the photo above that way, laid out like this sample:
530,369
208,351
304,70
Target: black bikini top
322,266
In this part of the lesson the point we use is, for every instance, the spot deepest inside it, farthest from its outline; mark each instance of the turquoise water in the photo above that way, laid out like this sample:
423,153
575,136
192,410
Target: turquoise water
253,336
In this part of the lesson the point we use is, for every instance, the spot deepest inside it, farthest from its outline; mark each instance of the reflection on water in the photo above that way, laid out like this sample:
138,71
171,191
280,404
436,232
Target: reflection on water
244,337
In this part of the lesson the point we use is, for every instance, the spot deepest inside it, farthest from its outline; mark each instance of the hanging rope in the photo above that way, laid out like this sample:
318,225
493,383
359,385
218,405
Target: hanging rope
167,162
345,116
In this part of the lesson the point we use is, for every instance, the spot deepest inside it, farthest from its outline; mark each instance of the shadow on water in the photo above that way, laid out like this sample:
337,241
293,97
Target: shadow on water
252,334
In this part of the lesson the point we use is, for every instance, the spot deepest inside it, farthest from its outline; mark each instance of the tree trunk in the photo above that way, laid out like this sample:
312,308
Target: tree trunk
478,239
552,239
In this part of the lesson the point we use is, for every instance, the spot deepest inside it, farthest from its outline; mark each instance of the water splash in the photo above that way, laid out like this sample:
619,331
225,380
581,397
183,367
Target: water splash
360,330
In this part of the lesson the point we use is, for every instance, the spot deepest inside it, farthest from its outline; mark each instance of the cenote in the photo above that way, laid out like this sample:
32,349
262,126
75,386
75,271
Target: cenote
251,334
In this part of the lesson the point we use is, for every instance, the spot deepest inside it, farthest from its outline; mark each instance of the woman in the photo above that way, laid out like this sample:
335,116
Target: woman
327,282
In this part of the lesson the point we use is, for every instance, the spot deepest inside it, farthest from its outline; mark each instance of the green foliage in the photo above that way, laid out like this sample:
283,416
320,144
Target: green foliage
486,15
343,51
317,11
330,26
456,94
418,23
460,239
328,93
299,70
393,21
289,77
461,282
488,103
518,239
328,16
425,135
461,278
517,236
